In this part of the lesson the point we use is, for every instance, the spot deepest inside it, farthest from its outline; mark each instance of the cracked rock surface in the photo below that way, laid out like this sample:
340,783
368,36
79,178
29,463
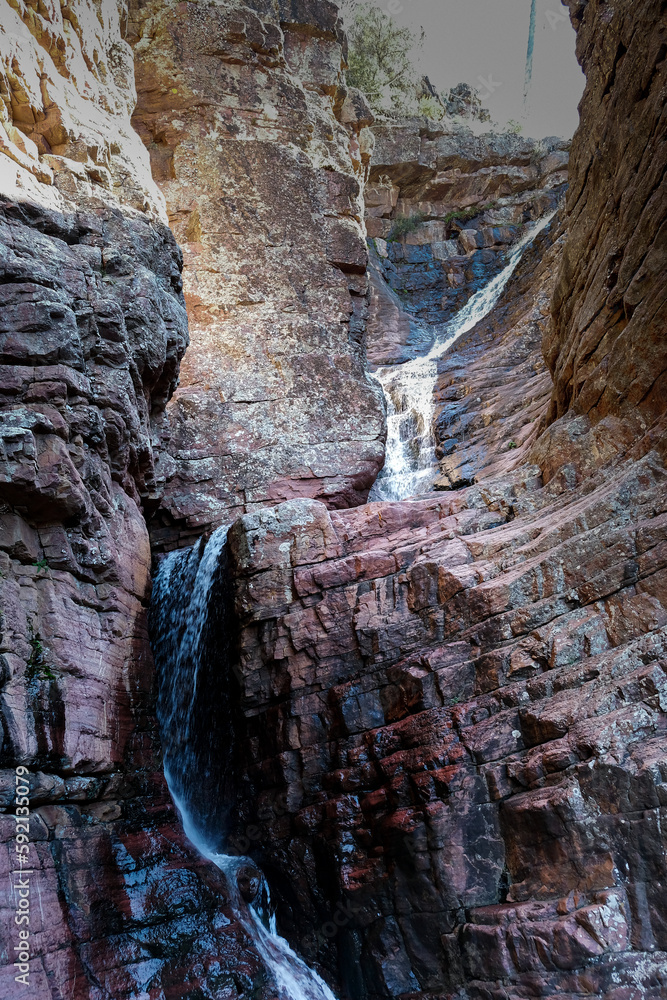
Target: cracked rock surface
462,698
262,155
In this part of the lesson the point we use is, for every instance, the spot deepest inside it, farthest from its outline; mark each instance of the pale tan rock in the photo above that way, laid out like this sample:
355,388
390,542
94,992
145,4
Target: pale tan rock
263,183
67,94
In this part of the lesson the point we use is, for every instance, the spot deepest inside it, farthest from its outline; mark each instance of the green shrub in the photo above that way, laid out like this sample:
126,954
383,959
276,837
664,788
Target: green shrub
466,214
463,214
404,225
430,108
37,665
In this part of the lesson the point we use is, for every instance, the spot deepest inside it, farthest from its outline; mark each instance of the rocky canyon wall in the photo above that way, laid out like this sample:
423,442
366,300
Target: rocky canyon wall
92,329
462,699
443,205
262,155
607,352
493,385
453,710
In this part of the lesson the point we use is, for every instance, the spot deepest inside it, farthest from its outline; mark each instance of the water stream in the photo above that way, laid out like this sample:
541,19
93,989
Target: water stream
194,711
410,465
190,645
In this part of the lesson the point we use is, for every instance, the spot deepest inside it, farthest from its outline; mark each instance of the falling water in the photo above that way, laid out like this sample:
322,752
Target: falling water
192,657
410,465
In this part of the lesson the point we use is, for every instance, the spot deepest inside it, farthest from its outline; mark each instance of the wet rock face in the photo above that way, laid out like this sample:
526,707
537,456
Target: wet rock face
249,881
462,699
443,205
261,155
92,330
493,386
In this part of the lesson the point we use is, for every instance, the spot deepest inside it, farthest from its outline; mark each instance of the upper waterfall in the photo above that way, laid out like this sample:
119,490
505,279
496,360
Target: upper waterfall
410,465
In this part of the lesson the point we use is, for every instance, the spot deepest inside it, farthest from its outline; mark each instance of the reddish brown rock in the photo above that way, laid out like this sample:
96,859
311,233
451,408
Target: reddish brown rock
493,386
262,156
463,701
92,330
454,709
463,698
606,351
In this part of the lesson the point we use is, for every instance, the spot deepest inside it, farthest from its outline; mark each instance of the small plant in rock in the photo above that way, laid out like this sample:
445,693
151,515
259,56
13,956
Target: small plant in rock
463,214
466,214
538,152
37,665
512,444
431,109
405,225
41,564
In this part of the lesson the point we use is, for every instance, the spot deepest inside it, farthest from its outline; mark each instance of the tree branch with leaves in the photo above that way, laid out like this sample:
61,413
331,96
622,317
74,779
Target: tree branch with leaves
380,59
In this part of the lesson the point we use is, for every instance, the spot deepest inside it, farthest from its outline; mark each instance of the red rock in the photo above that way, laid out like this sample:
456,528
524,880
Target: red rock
507,677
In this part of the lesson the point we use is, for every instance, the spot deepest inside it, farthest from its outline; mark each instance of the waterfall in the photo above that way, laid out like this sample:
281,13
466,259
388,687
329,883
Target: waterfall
410,464
192,656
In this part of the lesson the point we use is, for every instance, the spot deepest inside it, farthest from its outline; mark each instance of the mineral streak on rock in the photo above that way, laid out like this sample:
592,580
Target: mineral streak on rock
262,155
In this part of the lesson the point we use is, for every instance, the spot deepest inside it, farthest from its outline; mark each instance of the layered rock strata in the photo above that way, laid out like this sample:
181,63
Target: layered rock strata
607,352
462,699
261,154
443,205
92,329
493,386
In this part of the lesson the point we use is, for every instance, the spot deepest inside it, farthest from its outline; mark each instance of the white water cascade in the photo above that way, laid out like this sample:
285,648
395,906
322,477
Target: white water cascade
410,465
187,612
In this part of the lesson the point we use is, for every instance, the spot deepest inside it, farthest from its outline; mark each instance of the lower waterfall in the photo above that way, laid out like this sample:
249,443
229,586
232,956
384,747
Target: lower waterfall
189,639
410,465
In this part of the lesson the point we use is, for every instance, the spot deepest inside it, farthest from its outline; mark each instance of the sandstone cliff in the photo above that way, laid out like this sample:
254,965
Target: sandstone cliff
262,155
463,698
